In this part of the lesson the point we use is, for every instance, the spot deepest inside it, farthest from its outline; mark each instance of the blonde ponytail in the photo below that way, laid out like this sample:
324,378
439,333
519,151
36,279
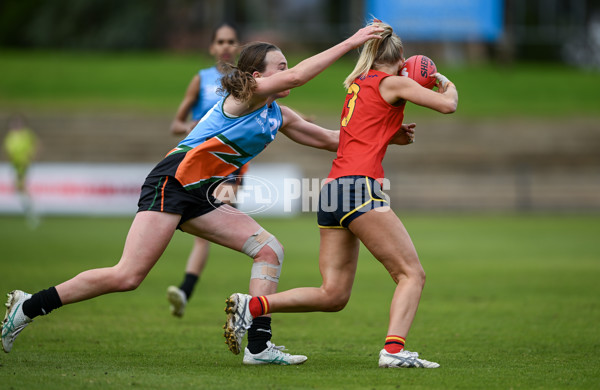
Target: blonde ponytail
386,50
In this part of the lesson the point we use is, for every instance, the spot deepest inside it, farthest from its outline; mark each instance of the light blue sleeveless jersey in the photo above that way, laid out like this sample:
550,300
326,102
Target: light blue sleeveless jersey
210,81
220,144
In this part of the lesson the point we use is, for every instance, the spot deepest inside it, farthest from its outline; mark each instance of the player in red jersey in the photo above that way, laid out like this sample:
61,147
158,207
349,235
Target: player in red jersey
352,207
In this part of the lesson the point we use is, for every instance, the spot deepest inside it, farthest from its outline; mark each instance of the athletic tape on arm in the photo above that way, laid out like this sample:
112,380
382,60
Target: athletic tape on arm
264,270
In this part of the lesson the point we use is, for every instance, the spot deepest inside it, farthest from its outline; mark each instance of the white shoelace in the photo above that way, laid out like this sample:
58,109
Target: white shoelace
280,348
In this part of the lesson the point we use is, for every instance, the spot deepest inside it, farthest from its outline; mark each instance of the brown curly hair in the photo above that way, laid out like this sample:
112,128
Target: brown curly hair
238,80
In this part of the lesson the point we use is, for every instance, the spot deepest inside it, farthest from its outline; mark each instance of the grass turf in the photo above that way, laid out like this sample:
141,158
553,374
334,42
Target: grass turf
510,302
156,82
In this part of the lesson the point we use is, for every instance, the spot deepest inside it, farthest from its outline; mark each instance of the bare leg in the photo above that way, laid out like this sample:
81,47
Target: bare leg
387,239
338,258
216,227
384,235
148,237
199,255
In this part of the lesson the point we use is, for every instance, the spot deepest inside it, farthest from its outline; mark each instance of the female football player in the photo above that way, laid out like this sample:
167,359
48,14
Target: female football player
201,95
352,207
177,194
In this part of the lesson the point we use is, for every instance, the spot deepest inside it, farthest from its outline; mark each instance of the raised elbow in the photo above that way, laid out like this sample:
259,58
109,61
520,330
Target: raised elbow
449,107
449,110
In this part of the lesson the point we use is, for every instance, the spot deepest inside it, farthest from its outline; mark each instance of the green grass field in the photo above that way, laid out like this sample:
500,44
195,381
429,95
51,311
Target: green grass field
511,302
155,82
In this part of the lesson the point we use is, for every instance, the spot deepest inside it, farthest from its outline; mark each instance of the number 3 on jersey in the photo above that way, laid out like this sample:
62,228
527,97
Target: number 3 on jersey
354,88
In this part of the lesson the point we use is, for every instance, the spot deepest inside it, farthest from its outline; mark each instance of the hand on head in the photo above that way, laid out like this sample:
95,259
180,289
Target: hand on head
365,34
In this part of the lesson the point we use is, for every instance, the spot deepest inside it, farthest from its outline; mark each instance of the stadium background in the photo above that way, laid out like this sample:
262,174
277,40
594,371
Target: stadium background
482,158
500,198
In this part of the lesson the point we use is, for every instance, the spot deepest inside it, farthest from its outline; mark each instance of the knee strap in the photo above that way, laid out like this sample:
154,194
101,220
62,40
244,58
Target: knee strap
258,240
263,270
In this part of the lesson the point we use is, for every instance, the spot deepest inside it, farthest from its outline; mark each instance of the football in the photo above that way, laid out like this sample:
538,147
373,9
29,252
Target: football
420,68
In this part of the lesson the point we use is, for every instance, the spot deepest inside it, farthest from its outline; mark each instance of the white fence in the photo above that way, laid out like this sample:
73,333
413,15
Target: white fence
114,189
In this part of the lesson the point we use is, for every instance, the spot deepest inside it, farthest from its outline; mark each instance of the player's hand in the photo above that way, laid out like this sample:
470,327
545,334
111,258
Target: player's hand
404,136
442,81
365,34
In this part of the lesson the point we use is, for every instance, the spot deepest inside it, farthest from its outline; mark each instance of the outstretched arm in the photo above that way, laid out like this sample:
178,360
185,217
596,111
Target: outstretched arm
310,67
306,133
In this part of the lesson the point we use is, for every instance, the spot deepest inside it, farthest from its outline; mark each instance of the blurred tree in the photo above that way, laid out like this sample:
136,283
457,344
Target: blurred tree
540,30
81,24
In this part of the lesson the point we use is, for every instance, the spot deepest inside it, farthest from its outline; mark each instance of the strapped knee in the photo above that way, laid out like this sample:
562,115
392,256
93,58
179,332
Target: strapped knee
263,270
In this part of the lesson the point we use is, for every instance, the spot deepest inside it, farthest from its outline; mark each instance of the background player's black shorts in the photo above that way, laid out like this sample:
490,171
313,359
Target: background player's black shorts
346,198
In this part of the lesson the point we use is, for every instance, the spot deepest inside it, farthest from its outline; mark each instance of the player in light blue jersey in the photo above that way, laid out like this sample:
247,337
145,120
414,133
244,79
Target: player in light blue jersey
178,193
201,95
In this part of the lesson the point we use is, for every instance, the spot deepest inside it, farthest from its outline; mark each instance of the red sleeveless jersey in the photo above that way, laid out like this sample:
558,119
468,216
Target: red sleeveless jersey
368,123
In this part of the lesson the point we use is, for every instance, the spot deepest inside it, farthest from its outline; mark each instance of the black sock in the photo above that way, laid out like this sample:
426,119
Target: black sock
258,334
188,284
42,303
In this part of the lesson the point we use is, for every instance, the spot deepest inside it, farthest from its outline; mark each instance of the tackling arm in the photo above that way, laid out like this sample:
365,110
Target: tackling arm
306,133
312,66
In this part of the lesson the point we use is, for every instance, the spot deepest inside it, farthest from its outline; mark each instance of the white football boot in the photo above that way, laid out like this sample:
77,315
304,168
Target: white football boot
14,319
273,354
404,359
177,299
238,321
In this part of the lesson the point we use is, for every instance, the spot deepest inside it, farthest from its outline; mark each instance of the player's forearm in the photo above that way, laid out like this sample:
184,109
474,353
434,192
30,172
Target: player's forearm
451,97
311,67
325,139
314,65
331,141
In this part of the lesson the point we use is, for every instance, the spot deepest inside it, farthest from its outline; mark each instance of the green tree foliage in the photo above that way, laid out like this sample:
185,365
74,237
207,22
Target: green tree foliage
81,24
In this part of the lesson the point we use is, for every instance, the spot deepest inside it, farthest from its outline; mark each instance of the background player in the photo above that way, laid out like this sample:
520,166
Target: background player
20,145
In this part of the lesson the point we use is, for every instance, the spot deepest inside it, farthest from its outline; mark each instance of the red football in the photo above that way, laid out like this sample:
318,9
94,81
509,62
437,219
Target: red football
420,68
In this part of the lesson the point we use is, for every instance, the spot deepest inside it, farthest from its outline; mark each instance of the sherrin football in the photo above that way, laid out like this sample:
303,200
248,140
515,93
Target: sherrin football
420,68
